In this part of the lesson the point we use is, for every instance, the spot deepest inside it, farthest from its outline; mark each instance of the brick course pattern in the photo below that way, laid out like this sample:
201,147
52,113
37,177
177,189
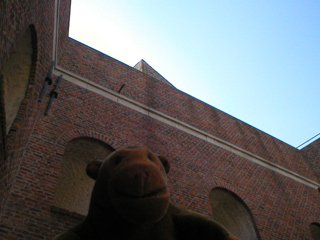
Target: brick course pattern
282,208
144,89
17,17
312,154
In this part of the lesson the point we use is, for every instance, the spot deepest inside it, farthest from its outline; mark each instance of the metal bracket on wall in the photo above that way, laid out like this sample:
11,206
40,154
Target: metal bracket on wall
47,81
121,88
53,94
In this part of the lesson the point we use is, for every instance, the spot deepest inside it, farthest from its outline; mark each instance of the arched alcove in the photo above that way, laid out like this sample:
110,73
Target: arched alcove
74,186
15,76
229,210
315,231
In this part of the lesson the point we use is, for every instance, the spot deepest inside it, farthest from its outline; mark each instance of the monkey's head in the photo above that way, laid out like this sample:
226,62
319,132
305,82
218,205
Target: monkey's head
134,181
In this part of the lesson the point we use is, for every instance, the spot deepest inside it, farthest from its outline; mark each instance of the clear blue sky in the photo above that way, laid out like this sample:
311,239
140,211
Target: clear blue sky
258,61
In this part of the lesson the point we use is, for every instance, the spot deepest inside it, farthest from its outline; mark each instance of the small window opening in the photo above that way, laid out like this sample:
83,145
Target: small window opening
74,186
315,231
15,76
230,211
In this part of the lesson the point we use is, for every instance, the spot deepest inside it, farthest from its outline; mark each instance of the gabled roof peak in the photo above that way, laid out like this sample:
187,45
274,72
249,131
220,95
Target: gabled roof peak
144,67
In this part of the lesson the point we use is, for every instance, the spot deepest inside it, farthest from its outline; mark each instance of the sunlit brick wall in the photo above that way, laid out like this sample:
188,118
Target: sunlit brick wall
282,208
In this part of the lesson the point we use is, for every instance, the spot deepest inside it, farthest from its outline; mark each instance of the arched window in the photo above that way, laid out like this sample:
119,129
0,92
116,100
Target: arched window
74,186
315,231
230,211
15,77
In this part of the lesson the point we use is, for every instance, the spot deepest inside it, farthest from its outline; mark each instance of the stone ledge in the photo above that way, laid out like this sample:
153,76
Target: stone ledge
66,212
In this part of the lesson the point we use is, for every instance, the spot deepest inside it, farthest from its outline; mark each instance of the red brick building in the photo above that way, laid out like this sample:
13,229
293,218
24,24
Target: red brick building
256,185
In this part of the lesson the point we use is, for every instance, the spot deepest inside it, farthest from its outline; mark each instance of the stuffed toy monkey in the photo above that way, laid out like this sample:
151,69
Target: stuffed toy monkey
130,201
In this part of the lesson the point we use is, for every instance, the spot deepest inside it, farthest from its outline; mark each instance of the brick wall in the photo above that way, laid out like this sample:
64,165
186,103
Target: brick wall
197,167
282,207
144,89
17,17
312,154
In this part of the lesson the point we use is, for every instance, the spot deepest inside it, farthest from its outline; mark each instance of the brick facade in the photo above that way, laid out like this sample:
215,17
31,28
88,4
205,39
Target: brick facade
312,154
207,147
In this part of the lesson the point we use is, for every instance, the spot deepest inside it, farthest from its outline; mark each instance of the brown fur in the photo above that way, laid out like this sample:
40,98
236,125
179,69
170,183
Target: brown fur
130,200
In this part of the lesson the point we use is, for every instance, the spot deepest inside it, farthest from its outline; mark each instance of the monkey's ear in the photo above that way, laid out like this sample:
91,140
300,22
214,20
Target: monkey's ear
93,169
165,163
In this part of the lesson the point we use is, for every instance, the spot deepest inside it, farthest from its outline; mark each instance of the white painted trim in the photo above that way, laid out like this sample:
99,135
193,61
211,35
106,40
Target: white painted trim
114,96
55,30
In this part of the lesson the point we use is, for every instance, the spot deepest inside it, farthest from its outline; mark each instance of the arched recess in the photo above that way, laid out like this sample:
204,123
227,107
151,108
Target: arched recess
74,186
230,211
16,75
315,231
